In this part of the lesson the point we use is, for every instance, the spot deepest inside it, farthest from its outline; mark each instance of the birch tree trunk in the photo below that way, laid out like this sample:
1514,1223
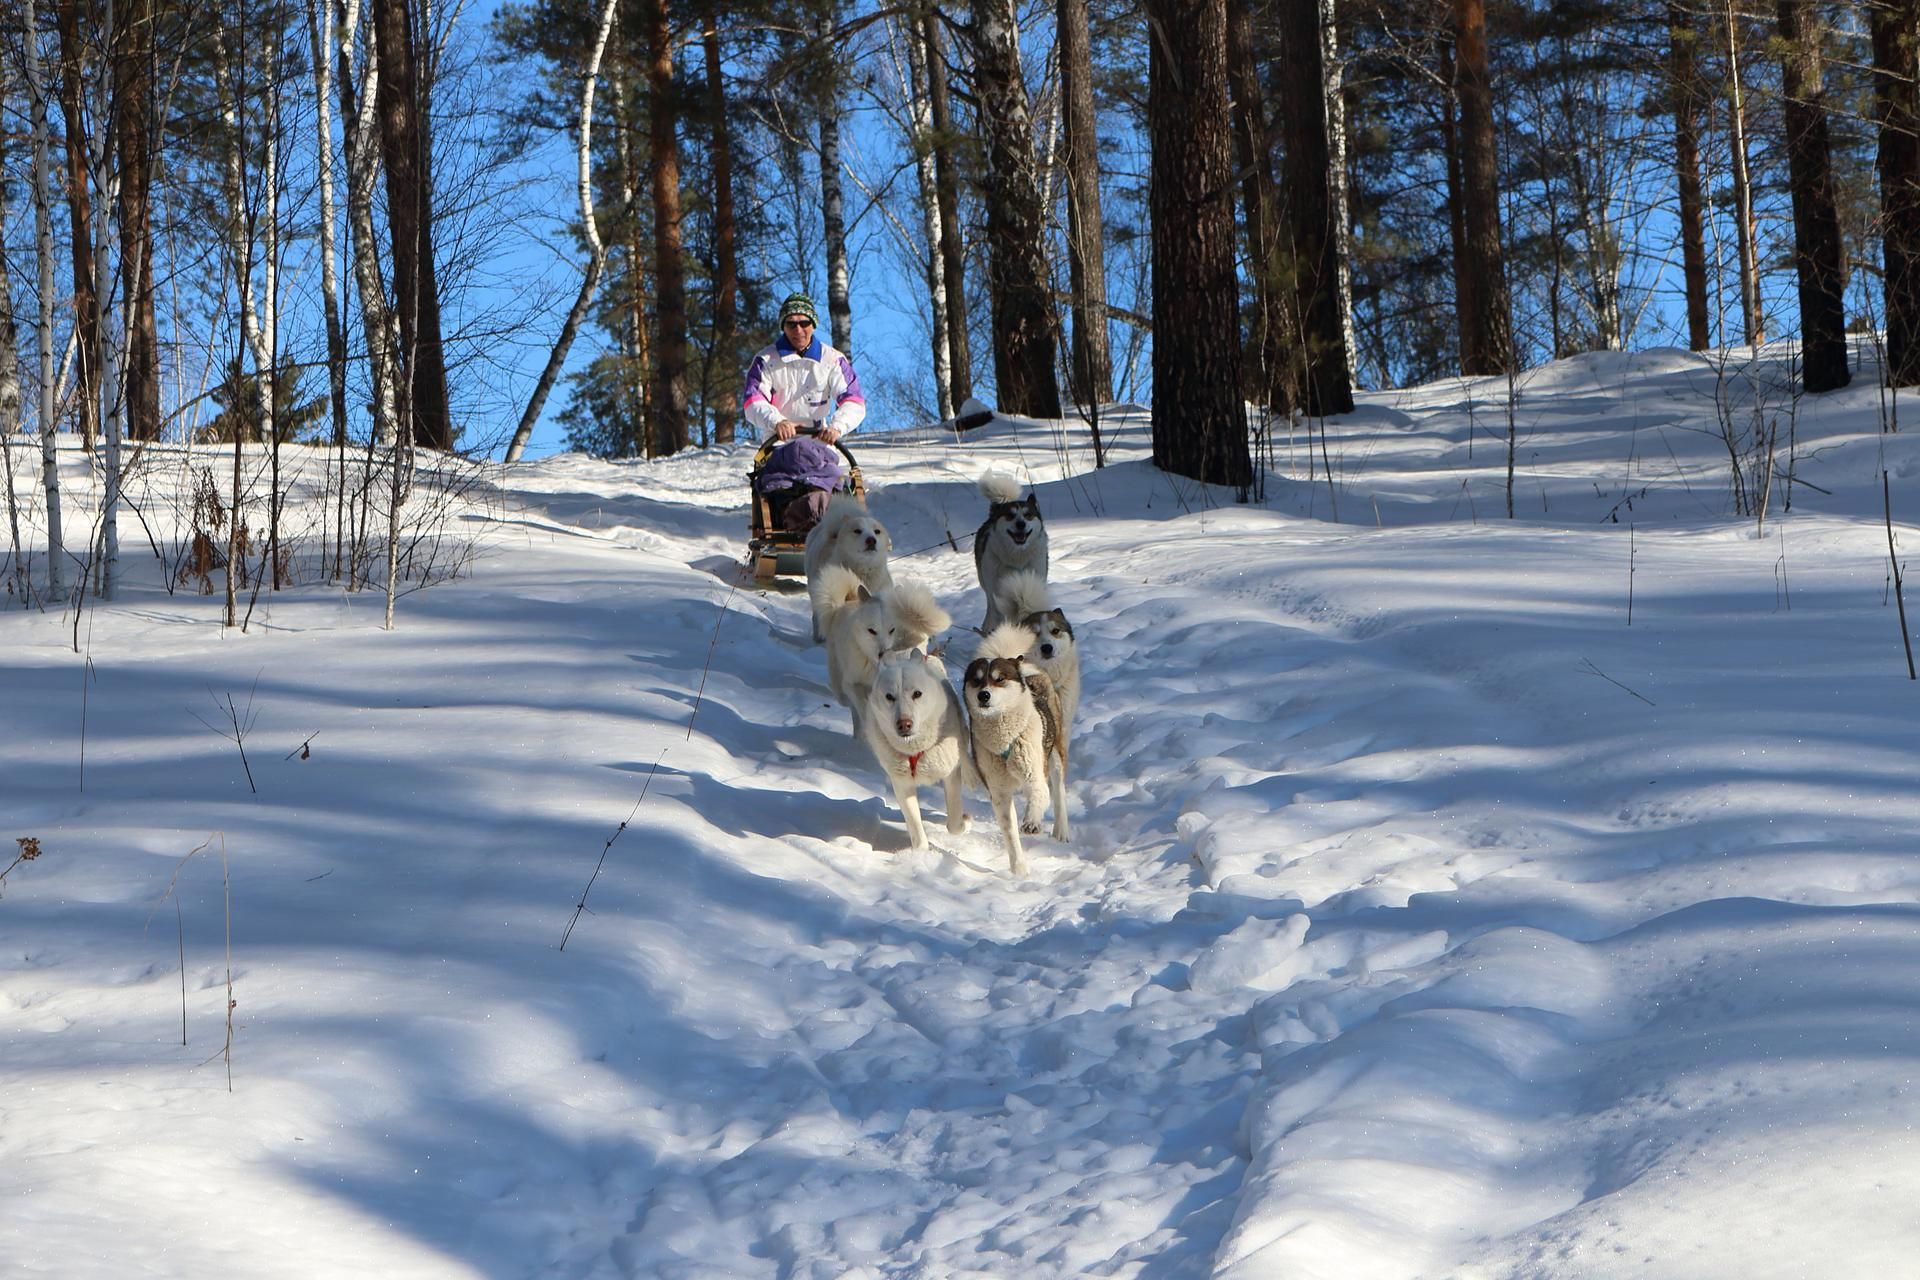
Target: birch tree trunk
240,256
11,402
953,261
1745,233
924,143
112,390
43,326
833,200
357,127
320,37
1337,139
1091,363
596,252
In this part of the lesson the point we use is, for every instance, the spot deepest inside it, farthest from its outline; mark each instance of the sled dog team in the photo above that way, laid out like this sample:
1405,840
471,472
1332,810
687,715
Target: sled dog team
1008,727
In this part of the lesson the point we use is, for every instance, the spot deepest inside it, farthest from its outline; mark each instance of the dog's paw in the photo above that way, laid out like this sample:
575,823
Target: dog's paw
959,824
1030,828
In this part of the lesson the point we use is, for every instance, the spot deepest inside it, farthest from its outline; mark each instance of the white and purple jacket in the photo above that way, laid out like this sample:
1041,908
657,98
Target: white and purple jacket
811,387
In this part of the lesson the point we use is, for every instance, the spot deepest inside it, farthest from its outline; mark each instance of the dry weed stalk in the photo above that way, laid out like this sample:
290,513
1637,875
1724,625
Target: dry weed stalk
29,850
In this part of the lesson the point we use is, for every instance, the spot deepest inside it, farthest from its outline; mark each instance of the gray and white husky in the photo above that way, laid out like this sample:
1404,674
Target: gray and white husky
918,733
1041,634
1013,720
850,535
862,627
1012,539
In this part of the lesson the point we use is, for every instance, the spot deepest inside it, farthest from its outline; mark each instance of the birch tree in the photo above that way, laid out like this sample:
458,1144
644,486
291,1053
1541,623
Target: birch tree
924,144
43,326
590,228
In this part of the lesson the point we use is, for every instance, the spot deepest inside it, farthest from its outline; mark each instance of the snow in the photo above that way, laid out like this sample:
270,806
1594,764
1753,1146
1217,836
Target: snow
1449,895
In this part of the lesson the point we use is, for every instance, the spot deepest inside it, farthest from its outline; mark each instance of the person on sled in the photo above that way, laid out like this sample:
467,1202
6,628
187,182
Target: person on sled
804,394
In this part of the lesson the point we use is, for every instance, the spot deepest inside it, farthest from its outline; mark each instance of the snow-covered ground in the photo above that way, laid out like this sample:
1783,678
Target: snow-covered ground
1449,895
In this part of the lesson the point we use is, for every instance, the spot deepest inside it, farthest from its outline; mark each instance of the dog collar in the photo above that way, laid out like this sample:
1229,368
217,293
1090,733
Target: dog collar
913,764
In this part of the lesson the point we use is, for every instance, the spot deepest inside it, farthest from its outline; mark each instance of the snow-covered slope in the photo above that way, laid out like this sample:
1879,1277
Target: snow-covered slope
1449,895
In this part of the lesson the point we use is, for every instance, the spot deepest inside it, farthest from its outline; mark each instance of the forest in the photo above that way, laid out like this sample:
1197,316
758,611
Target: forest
392,231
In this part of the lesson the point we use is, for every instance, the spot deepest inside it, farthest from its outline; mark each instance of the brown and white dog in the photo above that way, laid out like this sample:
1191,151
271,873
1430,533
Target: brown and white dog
917,732
1041,634
1013,719
1012,539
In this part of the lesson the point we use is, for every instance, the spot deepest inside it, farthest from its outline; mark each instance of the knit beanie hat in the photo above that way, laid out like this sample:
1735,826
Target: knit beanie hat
799,304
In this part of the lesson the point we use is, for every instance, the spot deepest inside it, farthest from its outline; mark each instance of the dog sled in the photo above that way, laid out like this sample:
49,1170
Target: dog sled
773,549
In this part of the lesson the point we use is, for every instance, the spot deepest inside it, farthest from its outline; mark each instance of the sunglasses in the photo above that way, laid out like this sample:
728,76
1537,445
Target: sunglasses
798,324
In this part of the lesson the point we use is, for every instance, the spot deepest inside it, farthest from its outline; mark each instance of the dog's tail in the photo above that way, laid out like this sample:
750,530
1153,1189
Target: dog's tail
835,587
843,502
916,612
1000,486
1021,594
1008,640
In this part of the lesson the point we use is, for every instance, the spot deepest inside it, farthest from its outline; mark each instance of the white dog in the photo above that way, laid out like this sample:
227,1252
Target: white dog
1012,539
1040,634
1013,717
919,735
861,627
847,534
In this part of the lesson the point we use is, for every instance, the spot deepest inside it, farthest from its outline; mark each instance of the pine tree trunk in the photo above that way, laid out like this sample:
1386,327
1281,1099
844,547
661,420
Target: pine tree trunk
1273,371
43,327
953,258
669,416
1488,345
86,299
133,137
639,344
1315,256
1019,279
1896,29
409,171
1683,75
1819,256
1463,293
1091,364
726,264
1199,417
